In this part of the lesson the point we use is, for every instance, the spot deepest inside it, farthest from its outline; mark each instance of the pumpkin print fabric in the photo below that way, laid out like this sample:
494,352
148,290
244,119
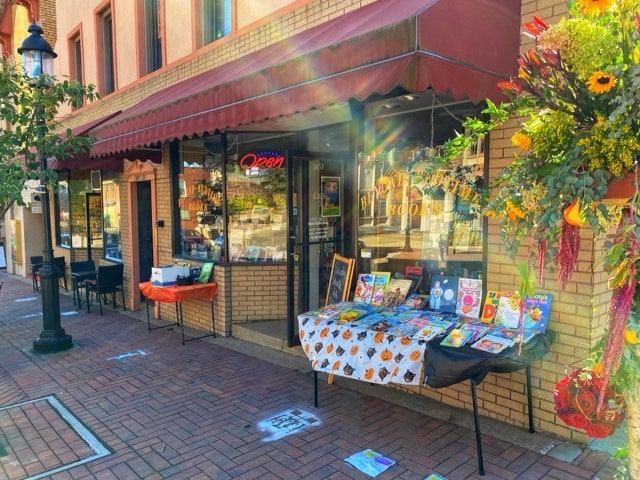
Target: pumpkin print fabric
356,352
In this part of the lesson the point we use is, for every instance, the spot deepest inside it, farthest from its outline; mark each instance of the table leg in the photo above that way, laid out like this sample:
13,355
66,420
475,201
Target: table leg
476,421
211,334
527,371
315,388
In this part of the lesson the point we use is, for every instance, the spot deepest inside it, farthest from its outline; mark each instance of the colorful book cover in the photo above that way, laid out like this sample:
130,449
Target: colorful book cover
364,288
429,332
397,291
477,329
469,297
492,344
536,312
443,293
508,310
380,282
457,338
490,306
416,301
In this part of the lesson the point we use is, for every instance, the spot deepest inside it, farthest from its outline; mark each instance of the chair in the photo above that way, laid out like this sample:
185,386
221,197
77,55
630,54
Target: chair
77,281
108,281
59,263
35,263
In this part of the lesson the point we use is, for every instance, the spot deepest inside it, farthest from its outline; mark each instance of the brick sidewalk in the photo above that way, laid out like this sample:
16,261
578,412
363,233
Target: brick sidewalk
126,404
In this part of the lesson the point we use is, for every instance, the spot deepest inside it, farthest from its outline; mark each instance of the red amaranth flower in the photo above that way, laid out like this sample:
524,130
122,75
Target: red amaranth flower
619,311
568,250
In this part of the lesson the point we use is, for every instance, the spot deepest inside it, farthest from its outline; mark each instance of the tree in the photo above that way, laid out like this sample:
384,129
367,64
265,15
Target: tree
31,127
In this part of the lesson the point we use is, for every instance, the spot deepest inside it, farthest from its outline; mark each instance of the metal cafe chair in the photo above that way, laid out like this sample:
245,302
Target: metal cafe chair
109,280
35,262
60,264
80,271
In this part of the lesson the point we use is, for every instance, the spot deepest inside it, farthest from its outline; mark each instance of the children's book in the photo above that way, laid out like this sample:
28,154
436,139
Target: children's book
370,462
380,282
429,332
490,306
477,329
492,344
205,272
397,290
364,288
416,301
469,297
536,311
508,310
457,337
443,293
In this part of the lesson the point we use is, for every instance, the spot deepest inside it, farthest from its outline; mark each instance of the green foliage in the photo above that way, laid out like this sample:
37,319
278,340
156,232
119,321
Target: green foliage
32,128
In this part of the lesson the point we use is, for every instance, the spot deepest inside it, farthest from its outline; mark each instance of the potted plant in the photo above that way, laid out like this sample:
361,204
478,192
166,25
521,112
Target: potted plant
576,104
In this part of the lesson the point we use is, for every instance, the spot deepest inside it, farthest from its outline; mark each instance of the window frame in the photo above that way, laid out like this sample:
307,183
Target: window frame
204,9
76,57
106,58
146,65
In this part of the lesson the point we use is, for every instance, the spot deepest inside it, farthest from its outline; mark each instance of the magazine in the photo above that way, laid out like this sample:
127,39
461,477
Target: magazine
380,282
397,290
469,297
490,306
492,344
443,293
369,462
364,288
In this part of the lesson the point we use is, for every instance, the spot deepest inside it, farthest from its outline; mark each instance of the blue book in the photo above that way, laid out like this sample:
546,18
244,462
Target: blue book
443,294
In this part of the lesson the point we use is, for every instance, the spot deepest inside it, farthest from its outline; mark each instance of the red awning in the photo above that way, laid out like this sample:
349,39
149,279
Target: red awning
461,46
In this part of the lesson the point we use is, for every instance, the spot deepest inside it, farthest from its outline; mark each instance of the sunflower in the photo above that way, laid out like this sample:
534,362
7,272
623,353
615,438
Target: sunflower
521,140
594,7
601,82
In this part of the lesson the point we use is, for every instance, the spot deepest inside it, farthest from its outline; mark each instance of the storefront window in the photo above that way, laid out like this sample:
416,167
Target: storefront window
199,199
415,219
111,217
71,212
256,196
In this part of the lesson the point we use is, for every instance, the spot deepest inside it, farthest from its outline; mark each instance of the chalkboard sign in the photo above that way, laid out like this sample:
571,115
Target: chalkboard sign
340,280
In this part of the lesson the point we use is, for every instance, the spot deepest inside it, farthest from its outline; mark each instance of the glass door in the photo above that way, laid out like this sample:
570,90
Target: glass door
316,212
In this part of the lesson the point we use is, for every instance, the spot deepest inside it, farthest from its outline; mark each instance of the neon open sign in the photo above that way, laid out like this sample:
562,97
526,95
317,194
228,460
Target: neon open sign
264,159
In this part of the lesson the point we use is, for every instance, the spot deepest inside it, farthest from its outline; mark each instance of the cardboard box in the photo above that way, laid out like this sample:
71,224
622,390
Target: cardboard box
164,276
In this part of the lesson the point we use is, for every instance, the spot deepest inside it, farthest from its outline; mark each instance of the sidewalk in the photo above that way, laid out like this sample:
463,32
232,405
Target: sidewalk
124,403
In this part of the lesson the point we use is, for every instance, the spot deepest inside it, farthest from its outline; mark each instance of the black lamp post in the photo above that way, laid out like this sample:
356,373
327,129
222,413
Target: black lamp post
37,62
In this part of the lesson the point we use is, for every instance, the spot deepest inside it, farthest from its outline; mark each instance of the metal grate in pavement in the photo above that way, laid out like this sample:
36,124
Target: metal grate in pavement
42,437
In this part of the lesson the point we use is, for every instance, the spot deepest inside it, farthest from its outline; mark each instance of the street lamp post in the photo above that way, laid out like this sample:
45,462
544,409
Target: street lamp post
37,62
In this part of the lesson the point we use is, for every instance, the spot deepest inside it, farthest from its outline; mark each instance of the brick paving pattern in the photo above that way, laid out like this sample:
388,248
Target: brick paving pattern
194,412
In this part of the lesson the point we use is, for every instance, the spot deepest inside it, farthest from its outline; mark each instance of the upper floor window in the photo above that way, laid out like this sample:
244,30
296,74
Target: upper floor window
75,57
214,20
151,47
106,63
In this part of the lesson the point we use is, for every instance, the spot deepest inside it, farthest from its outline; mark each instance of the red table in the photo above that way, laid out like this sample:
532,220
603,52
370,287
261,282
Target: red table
177,294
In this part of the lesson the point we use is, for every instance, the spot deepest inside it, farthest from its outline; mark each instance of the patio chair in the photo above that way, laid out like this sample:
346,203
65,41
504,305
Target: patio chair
78,278
35,262
60,264
109,280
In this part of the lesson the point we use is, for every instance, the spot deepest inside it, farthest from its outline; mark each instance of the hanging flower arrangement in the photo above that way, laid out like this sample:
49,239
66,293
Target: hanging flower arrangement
575,399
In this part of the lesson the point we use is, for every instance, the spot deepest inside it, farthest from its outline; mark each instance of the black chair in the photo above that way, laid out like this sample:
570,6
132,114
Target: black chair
60,264
35,263
80,271
108,281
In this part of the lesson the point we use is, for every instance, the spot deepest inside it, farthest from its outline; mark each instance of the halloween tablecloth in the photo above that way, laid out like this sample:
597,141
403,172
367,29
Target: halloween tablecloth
360,353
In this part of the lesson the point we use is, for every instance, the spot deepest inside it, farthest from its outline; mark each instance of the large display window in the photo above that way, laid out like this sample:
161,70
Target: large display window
112,232
413,216
256,196
70,206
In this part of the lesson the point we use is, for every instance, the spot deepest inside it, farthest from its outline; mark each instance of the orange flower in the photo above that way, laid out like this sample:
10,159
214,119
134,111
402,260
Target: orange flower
514,212
601,82
594,7
521,140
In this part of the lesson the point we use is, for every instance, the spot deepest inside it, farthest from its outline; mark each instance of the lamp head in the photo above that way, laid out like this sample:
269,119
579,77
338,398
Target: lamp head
37,56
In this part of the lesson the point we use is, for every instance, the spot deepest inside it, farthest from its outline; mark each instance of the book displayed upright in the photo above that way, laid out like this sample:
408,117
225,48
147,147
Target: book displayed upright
443,293
469,297
490,306
364,288
380,282
396,292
